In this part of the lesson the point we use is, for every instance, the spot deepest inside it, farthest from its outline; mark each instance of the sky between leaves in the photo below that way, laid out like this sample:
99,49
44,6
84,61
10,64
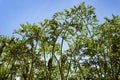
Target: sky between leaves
16,12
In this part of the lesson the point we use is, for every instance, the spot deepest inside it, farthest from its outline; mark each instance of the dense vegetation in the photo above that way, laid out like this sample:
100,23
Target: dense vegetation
72,45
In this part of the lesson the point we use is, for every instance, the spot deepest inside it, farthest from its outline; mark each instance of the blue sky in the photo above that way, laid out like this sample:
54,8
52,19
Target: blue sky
16,12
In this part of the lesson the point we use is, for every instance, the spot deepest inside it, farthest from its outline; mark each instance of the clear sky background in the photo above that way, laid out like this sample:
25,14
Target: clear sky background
16,12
